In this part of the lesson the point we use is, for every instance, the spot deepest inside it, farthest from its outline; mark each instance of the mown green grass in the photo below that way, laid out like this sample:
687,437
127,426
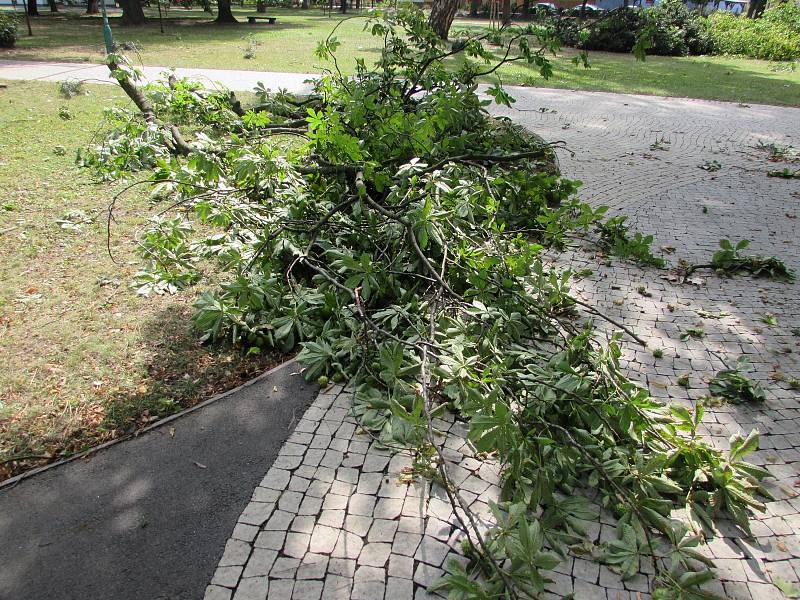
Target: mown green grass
191,40
84,358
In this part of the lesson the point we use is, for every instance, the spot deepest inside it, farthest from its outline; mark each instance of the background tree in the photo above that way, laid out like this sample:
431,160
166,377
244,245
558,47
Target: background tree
755,8
33,10
92,7
442,14
53,5
224,13
506,12
132,13
474,7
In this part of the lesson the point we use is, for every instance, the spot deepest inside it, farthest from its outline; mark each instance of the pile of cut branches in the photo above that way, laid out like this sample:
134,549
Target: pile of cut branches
392,229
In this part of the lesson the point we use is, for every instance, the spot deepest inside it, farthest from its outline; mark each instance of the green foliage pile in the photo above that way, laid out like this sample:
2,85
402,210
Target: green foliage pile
8,29
392,230
734,386
775,36
729,260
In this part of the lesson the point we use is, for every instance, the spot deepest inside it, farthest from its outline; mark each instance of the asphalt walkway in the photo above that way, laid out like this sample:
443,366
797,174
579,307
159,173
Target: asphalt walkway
147,518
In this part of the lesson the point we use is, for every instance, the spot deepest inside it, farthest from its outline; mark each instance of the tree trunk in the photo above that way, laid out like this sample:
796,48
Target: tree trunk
755,8
343,6
474,7
33,10
583,11
304,4
506,12
261,6
92,7
526,8
132,13
442,14
224,13
53,5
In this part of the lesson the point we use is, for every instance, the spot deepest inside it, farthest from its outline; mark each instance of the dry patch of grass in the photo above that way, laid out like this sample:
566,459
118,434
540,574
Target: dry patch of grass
84,358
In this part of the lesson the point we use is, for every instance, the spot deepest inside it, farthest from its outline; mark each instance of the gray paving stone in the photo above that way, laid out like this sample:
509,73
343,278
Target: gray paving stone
252,588
399,589
406,544
281,588
279,521
244,532
401,566
303,524
307,590
337,588
331,518
215,592
236,553
357,524
323,539
313,566
284,567
260,563
227,576
361,504
375,554
296,544
426,575
431,551
382,531
348,545
344,567
256,513
388,508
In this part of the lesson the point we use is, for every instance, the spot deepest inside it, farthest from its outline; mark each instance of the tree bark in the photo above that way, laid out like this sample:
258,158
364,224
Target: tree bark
92,7
224,13
53,5
474,7
526,8
132,12
261,6
442,14
343,6
304,5
755,8
33,10
506,12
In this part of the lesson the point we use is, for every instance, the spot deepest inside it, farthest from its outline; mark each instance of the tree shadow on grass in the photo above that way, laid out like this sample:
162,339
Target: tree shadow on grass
177,371
172,370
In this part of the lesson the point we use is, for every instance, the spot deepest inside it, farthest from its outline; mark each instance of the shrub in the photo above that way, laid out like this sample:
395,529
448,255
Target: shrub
616,33
775,36
8,30
677,31
671,28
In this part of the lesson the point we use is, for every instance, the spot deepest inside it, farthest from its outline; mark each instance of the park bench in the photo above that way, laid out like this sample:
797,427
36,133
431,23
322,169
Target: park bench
254,18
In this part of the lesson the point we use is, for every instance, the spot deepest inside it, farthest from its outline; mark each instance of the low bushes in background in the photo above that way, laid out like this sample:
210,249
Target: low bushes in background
672,29
775,36
8,30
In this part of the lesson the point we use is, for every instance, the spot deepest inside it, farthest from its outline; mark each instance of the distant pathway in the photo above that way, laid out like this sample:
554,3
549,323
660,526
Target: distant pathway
94,73
332,519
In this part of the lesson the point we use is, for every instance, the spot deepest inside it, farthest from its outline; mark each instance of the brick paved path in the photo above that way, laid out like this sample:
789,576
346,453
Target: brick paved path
330,518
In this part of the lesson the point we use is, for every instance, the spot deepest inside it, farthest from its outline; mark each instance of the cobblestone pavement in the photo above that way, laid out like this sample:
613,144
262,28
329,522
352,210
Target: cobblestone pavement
331,520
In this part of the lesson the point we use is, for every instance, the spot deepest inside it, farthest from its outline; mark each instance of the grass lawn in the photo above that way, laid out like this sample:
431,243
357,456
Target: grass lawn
84,358
192,41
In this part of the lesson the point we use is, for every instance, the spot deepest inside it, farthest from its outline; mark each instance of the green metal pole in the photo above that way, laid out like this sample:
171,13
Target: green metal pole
107,29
